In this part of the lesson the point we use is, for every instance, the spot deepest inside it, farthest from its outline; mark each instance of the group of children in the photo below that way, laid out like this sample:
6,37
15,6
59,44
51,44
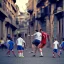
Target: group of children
20,46
20,43
40,39
57,48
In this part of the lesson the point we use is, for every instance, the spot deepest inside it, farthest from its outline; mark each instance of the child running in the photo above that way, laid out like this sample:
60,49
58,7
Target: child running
20,45
61,47
10,45
55,48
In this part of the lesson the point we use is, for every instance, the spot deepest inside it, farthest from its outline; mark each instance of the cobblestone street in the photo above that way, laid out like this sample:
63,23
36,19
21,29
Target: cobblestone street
28,59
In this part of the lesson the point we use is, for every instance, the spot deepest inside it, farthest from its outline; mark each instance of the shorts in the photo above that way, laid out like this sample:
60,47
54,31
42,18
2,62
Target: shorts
41,45
11,48
55,50
20,47
36,42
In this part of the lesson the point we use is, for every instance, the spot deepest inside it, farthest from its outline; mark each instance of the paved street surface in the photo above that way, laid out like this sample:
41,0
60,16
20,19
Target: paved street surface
28,59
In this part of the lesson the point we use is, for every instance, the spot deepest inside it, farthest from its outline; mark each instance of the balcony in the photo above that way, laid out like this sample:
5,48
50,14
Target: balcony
40,3
54,1
46,11
8,22
2,10
59,13
59,3
13,24
14,7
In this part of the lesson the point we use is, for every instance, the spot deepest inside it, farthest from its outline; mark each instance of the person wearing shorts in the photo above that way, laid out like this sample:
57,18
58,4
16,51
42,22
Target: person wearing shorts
20,45
36,42
10,46
55,48
61,46
37,39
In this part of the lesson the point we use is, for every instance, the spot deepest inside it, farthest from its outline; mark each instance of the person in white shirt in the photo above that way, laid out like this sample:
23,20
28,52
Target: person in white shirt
36,41
55,47
20,45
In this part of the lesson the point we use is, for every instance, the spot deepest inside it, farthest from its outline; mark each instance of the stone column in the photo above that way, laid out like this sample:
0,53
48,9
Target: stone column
63,19
4,30
51,24
48,29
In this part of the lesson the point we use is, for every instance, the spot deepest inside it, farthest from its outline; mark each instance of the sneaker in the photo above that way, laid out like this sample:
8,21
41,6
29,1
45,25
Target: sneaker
53,56
32,51
22,56
8,55
59,56
41,56
33,55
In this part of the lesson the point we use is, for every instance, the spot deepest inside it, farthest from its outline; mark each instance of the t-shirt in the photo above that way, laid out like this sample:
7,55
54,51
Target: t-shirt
44,37
38,36
20,41
55,44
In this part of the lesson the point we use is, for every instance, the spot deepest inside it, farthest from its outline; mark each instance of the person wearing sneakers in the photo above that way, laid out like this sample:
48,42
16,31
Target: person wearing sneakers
43,42
61,46
37,39
55,48
20,45
10,46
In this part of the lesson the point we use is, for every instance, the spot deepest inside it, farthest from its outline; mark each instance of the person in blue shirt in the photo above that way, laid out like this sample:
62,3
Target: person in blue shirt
61,47
10,45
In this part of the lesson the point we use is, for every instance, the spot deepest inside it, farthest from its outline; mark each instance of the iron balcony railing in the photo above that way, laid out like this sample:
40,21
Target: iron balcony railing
54,1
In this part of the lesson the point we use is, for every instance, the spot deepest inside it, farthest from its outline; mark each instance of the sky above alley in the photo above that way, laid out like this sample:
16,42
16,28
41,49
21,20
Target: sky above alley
22,5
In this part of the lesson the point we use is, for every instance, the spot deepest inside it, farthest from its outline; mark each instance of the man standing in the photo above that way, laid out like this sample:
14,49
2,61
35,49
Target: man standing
43,41
36,42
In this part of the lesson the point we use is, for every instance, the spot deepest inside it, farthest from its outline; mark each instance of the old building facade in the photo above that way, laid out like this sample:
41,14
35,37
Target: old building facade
8,13
33,22
50,16
53,14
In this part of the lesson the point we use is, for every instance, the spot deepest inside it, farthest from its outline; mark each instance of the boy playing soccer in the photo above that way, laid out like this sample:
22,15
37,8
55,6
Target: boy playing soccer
20,46
61,47
55,48
10,45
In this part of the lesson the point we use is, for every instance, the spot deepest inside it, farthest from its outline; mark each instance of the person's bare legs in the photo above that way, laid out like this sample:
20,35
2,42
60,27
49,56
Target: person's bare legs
41,53
40,50
33,47
34,51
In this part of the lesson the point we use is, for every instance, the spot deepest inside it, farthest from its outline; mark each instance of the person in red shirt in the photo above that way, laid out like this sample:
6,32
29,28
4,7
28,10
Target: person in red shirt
43,41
